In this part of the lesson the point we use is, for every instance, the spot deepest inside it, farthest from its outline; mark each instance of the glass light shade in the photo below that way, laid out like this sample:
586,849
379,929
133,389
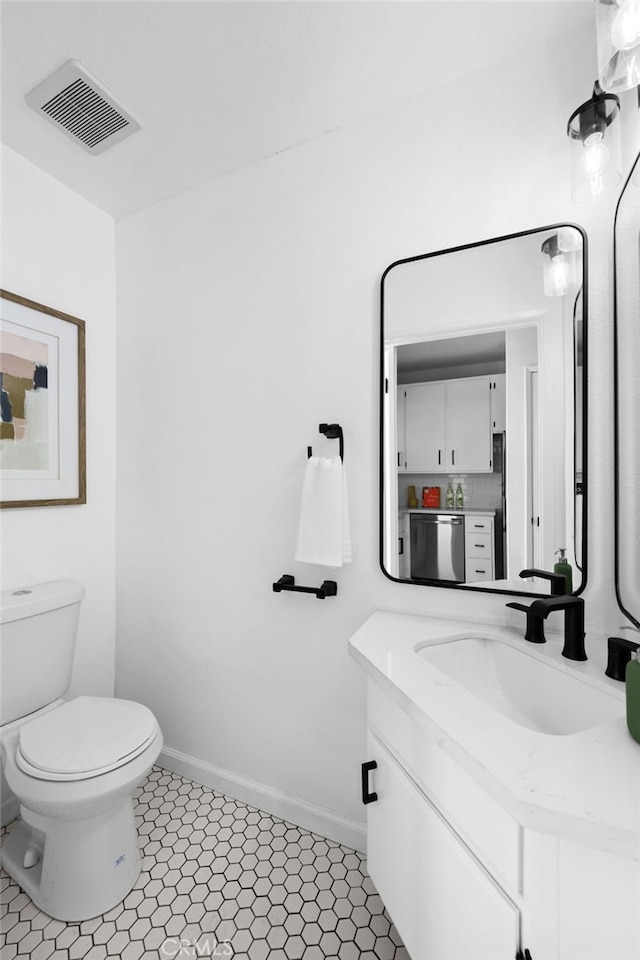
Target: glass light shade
559,268
569,239
596,168
618,30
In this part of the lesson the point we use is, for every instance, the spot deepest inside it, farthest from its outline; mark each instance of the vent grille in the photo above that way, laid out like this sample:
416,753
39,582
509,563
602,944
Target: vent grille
80,107
85,113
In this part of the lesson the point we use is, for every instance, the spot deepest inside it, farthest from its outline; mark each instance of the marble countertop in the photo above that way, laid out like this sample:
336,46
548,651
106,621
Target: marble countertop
583,786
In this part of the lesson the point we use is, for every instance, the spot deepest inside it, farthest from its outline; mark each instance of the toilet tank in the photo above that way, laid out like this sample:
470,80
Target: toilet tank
38,626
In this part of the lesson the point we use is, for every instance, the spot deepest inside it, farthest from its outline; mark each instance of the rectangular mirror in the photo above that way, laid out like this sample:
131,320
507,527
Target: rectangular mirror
483,444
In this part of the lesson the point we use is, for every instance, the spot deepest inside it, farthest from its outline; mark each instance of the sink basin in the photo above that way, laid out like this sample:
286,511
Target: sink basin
528,691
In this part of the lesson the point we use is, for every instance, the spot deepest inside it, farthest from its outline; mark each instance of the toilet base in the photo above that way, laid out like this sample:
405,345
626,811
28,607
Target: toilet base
81,868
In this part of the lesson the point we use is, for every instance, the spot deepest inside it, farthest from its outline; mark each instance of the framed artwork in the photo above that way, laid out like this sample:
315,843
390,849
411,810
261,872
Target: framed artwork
42,405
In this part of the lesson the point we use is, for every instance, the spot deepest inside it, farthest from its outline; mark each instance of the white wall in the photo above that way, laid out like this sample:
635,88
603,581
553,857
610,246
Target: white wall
247,314
59,250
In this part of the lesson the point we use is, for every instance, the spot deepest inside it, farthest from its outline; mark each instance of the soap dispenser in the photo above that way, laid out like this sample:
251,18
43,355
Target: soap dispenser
632,689
563,567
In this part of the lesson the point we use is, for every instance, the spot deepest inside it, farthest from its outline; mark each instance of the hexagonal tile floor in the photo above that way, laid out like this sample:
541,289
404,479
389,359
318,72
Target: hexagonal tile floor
219,879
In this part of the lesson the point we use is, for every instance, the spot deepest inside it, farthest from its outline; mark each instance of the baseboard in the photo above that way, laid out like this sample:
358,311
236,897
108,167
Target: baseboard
9,810
311,817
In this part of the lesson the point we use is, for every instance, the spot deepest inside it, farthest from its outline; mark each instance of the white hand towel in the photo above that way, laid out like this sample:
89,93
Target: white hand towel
323,530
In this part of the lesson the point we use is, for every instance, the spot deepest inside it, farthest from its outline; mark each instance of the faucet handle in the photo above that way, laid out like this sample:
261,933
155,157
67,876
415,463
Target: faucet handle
558,580
619,654
535,625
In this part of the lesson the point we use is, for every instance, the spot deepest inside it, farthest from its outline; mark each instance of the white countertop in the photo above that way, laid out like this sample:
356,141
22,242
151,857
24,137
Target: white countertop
583,786
466,511
538,586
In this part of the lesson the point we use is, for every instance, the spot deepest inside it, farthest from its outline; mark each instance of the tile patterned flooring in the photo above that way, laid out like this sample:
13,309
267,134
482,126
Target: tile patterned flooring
219,879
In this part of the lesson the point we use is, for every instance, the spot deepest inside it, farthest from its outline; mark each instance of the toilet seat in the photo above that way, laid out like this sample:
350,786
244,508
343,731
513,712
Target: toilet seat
84,738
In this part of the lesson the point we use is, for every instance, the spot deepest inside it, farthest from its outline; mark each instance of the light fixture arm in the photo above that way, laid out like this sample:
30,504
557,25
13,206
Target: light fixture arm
594,115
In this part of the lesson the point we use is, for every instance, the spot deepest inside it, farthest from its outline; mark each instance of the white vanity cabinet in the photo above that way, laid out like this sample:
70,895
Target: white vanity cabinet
445,426
435,846
440,897
462,879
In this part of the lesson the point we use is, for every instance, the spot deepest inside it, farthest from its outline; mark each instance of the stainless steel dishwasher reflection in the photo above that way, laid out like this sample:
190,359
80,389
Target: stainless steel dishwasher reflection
437,547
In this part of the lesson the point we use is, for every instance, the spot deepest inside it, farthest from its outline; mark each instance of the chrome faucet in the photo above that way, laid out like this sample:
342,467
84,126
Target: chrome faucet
539,610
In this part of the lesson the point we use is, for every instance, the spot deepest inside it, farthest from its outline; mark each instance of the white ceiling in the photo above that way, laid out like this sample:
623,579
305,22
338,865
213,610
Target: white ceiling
451,352
219,85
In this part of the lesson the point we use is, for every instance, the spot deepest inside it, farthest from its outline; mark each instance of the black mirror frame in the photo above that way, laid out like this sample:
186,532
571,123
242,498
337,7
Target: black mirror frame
616,401
585,314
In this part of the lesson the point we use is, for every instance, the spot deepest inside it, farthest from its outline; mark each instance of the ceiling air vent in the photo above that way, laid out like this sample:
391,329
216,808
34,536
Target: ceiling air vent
80,107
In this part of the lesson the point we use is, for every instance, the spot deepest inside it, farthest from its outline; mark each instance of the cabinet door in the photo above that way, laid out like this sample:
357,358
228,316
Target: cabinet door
442,901
479,544
478,524
404,547
498,403
400,428
468,426
424,427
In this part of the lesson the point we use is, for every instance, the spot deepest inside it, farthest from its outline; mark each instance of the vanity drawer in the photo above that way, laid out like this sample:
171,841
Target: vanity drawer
478,569
479,544
478,524
487,829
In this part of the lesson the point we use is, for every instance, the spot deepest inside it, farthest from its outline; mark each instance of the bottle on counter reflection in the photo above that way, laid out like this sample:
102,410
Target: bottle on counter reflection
449,496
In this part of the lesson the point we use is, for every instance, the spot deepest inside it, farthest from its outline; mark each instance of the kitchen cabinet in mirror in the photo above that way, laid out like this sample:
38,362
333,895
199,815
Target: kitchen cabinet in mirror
483,412
627,388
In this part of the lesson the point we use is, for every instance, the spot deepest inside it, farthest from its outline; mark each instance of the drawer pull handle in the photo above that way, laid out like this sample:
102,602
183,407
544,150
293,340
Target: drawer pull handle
482,546
368,797
478,526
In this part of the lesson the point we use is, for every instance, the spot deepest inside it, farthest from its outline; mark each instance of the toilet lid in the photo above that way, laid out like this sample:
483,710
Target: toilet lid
84,737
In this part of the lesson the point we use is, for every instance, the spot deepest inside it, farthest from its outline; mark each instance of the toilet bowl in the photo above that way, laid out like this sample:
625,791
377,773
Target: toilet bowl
73,766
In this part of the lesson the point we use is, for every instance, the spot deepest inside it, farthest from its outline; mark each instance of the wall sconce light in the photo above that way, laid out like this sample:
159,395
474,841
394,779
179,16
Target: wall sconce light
618,29
559,265
596,165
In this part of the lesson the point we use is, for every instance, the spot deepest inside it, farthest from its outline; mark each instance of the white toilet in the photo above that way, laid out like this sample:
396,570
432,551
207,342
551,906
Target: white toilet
73,765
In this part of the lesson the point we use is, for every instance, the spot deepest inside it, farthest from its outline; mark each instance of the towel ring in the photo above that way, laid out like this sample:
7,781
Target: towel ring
333,431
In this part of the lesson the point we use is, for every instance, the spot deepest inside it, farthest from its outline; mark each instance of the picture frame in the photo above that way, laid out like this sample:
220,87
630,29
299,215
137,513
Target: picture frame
42,405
